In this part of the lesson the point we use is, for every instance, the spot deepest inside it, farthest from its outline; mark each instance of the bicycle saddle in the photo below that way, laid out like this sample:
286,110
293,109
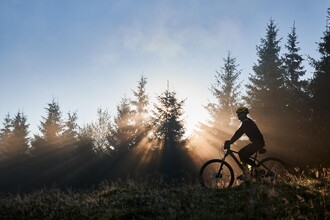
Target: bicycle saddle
262,151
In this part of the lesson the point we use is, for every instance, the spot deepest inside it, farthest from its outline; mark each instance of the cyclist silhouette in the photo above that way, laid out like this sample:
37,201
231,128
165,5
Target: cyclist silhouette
250,129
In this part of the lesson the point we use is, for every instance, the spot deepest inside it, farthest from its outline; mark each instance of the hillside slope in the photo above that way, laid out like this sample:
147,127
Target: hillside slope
299,198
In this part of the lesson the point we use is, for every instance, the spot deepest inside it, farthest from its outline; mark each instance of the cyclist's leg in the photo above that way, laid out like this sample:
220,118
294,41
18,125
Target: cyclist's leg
244,155
246,152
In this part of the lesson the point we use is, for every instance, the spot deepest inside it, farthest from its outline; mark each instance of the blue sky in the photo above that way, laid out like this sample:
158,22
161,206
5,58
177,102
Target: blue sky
89,54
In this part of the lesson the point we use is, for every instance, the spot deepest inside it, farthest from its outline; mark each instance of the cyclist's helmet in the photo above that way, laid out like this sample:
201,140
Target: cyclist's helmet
242,110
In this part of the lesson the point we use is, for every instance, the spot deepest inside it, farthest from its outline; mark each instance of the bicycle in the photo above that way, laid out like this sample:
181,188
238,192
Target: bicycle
217,173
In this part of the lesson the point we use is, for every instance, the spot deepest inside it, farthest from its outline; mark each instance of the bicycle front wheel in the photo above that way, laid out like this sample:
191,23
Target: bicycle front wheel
273,169
216,173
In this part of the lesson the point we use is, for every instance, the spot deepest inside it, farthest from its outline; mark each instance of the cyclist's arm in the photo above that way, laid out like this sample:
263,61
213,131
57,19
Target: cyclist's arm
237,134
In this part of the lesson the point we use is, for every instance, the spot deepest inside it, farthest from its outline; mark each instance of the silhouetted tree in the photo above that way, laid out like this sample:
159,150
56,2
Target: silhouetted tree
47,147
140,111
321,80
19,141
14,144
51,129
226,92
296,112
70,136
71,129
168,120
14,136
174,161
296,97
124,130
320,91
265,92
5,135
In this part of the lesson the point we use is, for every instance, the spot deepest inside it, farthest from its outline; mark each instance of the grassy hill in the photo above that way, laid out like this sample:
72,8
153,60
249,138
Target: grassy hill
303,197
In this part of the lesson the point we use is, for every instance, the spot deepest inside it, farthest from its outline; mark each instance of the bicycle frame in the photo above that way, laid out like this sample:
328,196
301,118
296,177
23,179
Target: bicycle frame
232,153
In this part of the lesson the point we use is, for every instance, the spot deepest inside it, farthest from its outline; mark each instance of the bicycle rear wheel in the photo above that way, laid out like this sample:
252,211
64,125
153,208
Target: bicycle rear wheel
273,169
216,173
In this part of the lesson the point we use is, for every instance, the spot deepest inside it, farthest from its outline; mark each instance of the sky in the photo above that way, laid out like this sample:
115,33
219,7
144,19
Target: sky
89,54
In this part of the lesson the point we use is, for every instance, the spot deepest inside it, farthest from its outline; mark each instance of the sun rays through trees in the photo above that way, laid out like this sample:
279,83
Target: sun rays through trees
142,138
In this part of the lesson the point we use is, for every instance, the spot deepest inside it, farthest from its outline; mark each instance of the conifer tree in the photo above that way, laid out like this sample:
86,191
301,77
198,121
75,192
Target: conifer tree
51,129
320,91
141,101
71,128
265,92
293,71
19,143
168,119
5,134
123,123
70,136
320,88
226,93
140,111
52,125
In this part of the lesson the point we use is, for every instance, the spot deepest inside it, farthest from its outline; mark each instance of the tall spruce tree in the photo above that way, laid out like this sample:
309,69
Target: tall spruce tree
140,111
51,128
297,106
226,92
71,128
5,134
123,123
293,71
140,102
265,92
70,136
19,143
168,119
320,88
320,91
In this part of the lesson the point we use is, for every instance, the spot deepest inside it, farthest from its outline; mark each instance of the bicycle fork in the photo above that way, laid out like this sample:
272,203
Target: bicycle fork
219,174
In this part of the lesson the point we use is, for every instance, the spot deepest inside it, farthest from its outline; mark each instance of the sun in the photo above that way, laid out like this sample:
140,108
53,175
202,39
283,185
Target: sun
187,89
194,114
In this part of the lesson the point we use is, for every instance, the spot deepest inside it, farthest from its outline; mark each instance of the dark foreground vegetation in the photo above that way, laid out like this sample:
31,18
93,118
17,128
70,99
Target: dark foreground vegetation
302,197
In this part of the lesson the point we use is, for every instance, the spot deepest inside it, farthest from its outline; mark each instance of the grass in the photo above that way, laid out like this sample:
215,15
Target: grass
301,197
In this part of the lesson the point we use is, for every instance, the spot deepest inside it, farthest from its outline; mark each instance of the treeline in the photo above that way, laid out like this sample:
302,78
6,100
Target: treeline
148,139
135,142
